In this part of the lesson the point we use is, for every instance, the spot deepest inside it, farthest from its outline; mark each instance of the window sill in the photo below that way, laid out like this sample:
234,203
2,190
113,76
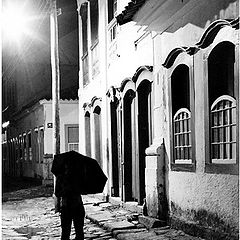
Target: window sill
183,167
231,169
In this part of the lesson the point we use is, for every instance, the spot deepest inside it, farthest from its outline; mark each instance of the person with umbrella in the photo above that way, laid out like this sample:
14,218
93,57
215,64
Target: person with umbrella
76,174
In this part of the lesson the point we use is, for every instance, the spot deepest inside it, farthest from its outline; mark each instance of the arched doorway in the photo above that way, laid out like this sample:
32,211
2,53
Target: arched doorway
87,134
114,152
144,131
127,145
97,134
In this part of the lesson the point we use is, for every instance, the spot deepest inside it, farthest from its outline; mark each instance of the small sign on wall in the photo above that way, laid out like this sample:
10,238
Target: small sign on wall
49,125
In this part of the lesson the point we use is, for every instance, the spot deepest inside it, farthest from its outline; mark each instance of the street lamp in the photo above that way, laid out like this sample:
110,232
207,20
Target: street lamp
16,23
13,24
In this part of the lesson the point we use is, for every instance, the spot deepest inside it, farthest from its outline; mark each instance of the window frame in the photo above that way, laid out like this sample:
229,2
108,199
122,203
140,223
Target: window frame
220,168
182,59
67,126
83,40
215,103
179,111
94,24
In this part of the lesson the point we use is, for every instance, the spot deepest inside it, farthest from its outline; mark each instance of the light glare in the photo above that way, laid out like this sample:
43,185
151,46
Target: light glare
14,22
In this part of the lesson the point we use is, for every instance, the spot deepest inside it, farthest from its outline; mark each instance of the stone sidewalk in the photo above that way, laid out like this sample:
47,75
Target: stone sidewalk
126,225
26,214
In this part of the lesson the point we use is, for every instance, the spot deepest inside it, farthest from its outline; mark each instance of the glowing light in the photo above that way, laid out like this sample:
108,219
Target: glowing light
14,22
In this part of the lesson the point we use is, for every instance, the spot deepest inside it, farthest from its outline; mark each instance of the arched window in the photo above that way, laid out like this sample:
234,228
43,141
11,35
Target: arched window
181,115
182,136
222,104
223,130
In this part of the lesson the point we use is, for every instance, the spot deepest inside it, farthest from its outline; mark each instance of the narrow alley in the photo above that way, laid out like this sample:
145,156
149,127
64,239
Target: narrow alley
147,92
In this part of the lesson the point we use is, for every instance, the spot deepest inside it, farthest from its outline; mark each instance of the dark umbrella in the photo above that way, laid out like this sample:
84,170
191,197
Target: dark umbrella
77,174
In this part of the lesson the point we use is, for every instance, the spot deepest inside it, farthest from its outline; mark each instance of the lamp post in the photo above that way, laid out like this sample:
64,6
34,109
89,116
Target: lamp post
55,77
15,24
55,80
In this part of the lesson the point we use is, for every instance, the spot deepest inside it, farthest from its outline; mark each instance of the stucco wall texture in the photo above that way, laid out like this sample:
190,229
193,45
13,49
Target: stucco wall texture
68,112
209,200
215,193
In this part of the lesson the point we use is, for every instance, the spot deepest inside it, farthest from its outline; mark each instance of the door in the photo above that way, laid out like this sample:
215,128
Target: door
115,159
87,134
144,132
127,146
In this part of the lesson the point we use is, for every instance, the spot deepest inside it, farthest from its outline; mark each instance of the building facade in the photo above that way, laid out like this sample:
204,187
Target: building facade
159,107
27,151
27,80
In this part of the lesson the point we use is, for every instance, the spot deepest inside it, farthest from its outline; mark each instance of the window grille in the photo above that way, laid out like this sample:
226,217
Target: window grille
73,147
182,136
72,137
223,130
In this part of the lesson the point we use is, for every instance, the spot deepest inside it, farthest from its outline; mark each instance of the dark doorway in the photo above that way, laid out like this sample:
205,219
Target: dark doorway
97,134
144,137
127,145
87,134
115,163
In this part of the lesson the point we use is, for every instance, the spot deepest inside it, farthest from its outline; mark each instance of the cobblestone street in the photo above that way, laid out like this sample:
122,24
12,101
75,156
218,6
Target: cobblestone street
36,219
27,216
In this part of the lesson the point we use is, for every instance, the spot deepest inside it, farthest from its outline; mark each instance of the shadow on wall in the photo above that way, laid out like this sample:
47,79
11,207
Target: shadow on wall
202,223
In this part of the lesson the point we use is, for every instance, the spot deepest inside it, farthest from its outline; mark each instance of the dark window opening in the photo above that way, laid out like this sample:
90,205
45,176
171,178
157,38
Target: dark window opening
94,20
181,115
97,110
83,13
222,104
112,9
29,140
180,88
221,71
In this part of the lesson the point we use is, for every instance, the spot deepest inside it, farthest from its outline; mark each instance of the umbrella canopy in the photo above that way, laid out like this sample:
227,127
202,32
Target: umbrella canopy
77,174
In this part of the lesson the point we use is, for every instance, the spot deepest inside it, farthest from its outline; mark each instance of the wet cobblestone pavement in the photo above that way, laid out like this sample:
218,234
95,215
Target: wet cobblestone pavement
28,214
36,219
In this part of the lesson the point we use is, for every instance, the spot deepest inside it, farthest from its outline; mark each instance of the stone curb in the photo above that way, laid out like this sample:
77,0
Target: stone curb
122,225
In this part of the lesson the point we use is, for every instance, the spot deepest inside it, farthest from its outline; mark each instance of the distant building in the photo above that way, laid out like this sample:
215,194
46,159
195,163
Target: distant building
27,151
27,80
159,107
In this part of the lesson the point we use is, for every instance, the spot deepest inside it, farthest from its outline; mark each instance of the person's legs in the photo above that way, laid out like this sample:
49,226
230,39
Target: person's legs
66,222
78,221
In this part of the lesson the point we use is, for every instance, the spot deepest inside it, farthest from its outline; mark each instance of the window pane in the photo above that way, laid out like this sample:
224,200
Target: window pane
223,131
182,137
73,136
94,20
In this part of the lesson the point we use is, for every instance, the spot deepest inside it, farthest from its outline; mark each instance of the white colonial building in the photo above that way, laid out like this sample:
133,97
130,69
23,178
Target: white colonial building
159,107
